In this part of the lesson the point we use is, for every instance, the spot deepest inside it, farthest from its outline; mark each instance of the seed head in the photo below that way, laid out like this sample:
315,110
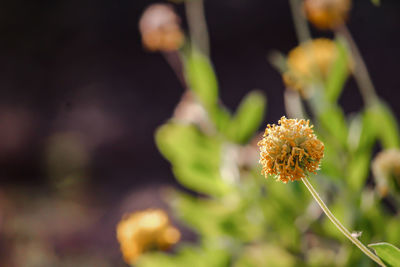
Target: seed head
309,62
290,150
160,28
327,14
143,230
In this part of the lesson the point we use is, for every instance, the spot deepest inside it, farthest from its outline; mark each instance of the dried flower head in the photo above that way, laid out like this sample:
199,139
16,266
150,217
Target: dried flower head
290,150
310,62
143,230
386,169
327,14
160,28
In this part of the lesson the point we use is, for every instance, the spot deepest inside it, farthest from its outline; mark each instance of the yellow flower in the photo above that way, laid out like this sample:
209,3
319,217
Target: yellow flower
290,150
144,230
310,62
160,28
327,14
386,169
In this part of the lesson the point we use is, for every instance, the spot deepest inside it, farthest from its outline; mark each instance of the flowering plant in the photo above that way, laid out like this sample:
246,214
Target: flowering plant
239,218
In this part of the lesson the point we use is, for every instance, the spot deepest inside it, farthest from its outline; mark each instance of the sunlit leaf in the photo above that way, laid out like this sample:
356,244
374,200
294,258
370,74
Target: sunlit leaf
195,157
338,74
384,125
388,253
333,123
194,256
201,77
358,170
248,117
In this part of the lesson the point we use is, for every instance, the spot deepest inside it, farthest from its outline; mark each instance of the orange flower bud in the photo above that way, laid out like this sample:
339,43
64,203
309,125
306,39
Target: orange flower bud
327,14
143,230
160,28
310,62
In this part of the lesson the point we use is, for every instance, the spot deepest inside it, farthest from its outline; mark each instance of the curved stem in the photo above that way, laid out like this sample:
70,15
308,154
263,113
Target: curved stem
336,222
361,73
300,23
174,61
197,25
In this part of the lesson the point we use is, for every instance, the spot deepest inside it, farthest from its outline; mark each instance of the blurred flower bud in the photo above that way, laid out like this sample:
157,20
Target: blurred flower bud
386,170
144,230
327,14
310,62
160,28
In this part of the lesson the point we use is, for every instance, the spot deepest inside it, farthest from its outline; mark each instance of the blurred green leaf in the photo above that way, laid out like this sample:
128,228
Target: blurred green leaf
334,123
338,74
221,118
201,77
233,218
278,60
384,125
358,170
197,213
265,255
199,177
248,117
376,2
195,157
388,253
186,256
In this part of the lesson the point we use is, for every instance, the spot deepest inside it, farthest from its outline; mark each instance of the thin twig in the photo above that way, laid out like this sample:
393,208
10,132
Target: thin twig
174,61
337,223
300,23
197,25
361,73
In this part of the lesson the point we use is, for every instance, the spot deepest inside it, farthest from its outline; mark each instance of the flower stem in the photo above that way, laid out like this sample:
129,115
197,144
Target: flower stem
300,23
336,222
361,73
197,25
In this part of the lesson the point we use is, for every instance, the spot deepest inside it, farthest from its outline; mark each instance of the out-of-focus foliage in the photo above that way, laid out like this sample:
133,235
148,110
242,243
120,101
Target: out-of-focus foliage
242,220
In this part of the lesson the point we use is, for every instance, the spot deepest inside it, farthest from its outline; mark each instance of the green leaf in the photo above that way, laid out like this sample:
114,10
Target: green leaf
388,253
194,256
248,117
385,125
376,2
195,157
338,74
221,118
333,121
201,78
201,178
358,170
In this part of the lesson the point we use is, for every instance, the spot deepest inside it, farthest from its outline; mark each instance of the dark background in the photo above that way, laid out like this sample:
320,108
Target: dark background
79,65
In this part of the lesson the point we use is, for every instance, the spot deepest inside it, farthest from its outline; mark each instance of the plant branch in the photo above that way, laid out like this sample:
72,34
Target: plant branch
337,223
300,23
197,25
361,73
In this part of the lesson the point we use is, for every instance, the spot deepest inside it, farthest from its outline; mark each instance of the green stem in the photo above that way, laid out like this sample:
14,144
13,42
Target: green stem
197,25
361,74
300,23
336,222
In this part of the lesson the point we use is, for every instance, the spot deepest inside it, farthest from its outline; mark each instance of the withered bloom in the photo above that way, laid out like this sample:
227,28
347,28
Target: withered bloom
310,62
327,14
144,230
386,170
290,150
160,28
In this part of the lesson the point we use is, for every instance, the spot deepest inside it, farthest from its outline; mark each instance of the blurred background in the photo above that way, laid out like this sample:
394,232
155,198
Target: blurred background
80,100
